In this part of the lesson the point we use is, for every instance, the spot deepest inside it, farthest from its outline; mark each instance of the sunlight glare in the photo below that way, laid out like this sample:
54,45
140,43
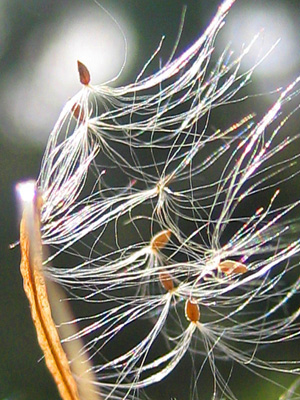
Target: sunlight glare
47,75
274,24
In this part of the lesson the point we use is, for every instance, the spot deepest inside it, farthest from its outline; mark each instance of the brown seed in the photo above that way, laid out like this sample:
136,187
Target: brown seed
192,311
160,240
84,75
166,281
78,112
232,267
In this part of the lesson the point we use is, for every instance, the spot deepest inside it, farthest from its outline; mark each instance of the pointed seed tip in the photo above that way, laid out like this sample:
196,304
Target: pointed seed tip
160,240
230,267
84,74
166,281
192,311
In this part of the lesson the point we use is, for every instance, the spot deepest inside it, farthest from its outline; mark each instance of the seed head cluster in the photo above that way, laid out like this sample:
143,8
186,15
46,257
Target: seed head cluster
171,232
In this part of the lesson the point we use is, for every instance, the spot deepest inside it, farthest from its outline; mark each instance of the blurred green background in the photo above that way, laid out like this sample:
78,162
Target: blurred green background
38,53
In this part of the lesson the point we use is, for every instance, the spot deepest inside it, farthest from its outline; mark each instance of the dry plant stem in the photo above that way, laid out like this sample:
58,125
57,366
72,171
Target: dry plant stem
35,289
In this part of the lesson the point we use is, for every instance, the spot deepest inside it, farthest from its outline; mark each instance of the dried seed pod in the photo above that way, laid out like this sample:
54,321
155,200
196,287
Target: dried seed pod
192,311
160,240
84,74
36,292
232,267
166,280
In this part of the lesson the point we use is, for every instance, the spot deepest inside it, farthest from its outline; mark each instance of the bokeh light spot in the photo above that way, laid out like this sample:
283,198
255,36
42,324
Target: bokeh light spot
47,75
